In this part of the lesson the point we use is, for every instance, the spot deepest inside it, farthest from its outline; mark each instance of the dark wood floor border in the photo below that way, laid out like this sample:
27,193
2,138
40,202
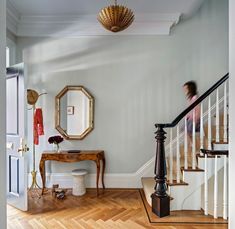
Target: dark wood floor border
170,223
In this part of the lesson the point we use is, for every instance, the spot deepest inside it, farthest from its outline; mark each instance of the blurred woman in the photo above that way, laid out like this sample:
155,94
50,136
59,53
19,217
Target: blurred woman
190,90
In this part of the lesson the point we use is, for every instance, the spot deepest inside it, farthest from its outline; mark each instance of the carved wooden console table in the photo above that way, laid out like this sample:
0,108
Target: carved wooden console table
64,156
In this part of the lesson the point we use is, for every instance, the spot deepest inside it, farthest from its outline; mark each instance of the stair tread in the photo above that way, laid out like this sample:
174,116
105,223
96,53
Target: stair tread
190,169
219,143
174,183
150,181
215,152
209,156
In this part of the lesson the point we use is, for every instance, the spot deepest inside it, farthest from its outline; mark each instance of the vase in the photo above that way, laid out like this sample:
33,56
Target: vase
56,147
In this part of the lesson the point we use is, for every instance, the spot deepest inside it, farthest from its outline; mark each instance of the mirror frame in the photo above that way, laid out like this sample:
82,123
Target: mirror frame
57,112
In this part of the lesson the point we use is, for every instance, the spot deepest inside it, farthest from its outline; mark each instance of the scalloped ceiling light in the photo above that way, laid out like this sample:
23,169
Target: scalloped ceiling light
115,18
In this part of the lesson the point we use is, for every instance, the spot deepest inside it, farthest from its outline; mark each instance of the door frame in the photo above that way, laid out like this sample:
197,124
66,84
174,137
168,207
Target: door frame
3,214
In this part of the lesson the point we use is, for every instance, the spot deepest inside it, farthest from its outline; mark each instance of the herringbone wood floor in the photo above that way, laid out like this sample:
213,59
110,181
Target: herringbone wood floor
113,209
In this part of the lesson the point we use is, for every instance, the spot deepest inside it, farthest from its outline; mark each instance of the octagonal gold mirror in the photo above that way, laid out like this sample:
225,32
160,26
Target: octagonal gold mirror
74,108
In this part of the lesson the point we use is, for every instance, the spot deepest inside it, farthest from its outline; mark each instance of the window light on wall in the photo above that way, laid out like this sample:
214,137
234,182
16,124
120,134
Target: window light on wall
7,57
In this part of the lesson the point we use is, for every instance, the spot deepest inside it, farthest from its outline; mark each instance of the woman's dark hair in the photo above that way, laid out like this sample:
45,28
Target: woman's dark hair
192,88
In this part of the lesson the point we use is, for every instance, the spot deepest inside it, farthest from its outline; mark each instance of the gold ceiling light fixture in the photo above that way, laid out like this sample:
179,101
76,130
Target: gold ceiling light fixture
116,17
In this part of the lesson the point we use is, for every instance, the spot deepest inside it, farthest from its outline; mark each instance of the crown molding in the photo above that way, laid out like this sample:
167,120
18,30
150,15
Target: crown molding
86,25
13,18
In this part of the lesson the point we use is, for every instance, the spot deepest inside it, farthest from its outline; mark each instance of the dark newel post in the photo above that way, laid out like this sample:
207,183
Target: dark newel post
160,199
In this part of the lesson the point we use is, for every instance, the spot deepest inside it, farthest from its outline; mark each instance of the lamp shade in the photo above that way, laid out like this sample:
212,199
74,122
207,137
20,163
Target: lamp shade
115,18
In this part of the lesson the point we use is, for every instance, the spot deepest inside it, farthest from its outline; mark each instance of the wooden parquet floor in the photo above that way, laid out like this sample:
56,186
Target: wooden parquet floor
113,209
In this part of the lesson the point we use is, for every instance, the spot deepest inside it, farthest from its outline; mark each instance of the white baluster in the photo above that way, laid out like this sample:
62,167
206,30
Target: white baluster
209,123
225,113
194,142
185,144
169,191
217,117
216,189
171,158
206,186
178,157
201,128
225,191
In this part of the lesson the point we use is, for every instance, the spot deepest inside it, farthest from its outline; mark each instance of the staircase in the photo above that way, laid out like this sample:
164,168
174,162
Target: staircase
192,175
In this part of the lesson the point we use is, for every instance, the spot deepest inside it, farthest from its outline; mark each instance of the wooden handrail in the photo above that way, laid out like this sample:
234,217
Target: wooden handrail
199,100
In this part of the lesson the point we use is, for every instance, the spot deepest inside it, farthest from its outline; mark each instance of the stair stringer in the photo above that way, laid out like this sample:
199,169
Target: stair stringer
191,196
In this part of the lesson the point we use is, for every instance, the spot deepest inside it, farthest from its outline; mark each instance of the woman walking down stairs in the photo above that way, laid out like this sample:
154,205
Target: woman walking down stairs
194,173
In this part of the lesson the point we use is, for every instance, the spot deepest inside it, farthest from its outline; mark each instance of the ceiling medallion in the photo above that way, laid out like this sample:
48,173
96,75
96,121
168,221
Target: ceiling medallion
115,18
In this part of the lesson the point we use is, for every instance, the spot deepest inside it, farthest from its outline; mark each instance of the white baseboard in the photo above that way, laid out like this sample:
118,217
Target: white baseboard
65,180
111,180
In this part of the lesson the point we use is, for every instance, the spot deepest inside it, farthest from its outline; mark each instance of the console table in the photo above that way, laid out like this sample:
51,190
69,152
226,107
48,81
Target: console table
64,156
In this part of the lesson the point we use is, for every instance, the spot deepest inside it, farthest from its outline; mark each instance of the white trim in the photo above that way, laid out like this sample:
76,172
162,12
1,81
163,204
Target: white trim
12,51
65,180
231,103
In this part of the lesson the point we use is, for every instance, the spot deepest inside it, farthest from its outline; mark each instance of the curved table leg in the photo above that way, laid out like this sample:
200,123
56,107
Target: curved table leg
97,176
103,169
42,172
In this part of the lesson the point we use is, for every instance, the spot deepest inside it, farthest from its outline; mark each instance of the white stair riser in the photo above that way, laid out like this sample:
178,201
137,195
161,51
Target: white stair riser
220,146
210,165
187,197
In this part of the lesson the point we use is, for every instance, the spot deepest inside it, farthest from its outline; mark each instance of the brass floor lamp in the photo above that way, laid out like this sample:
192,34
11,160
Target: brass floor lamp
32,98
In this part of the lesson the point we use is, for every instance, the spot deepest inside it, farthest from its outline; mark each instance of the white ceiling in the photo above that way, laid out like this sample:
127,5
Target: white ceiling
23,13
81,7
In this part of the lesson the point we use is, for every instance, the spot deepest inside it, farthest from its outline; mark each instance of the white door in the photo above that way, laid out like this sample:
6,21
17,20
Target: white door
16,147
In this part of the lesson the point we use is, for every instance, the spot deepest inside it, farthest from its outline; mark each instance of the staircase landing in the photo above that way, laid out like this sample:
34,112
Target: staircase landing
181,217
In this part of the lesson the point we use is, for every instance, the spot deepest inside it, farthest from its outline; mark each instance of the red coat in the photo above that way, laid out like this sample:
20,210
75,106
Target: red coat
38,128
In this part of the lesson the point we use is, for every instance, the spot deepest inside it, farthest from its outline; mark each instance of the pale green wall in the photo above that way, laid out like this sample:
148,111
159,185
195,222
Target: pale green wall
136,81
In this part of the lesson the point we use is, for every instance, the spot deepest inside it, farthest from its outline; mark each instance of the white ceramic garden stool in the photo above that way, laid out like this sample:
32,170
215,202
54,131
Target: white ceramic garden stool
79,188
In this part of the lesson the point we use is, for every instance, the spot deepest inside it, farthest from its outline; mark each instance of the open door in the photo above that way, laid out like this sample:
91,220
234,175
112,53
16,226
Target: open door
16,147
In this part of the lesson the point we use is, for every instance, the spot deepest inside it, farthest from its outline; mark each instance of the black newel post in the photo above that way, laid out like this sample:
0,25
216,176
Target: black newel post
160,199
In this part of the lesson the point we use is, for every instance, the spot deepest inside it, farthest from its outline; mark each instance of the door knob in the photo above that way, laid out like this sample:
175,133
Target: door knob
23,147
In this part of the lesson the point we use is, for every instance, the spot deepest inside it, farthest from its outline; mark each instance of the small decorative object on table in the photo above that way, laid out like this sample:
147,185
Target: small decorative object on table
55,140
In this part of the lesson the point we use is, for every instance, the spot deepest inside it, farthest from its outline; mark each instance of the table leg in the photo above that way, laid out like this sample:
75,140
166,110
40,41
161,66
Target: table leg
103,169
97,175
42,172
